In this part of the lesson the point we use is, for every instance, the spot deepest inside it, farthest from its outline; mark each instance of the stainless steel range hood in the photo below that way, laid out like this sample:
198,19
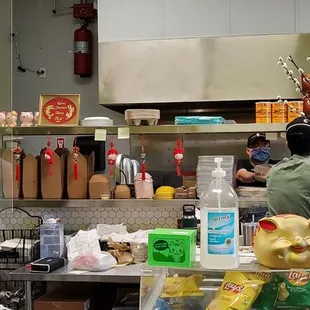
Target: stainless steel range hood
198,70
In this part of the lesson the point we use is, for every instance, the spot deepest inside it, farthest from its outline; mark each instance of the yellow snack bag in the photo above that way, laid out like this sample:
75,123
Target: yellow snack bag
182,287
237,292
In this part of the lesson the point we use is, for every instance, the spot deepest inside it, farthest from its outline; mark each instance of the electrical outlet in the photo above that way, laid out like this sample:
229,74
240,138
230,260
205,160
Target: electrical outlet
42,72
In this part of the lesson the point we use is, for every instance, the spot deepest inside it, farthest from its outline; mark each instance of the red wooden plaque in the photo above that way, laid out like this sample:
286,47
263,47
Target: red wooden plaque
59,110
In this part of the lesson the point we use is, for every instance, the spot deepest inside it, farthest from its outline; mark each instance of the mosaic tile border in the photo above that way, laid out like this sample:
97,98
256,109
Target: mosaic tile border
74,219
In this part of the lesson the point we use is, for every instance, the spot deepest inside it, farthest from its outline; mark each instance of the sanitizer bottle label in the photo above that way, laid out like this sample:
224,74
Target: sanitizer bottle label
221,233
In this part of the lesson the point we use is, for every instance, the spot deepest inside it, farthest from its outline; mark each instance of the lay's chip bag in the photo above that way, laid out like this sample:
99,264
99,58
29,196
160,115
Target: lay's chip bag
294,290
182,286
237,292
268,297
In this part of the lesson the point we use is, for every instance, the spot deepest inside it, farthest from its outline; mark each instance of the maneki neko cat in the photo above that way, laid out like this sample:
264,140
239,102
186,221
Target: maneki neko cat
283,241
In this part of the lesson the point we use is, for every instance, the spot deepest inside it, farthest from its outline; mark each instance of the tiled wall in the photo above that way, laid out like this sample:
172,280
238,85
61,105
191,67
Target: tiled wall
81,218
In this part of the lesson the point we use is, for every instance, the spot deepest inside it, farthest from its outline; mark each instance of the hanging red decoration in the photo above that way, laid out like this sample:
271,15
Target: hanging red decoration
75,155
17,154
112,155
49,155
178,154
143,158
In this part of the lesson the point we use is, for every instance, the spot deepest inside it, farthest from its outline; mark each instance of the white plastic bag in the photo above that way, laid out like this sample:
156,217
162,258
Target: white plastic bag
84,253
105,230
92,262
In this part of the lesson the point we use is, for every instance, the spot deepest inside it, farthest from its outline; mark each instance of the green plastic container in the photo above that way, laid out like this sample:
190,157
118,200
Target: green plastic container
172,248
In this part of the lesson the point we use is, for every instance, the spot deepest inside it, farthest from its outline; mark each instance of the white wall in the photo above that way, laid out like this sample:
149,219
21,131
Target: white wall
153,19
5,54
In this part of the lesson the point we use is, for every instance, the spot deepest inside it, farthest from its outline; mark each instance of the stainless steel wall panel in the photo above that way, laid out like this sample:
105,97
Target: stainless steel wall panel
198,69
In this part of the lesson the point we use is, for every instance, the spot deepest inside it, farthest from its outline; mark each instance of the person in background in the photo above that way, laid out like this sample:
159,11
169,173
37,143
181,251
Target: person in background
258,152
288,182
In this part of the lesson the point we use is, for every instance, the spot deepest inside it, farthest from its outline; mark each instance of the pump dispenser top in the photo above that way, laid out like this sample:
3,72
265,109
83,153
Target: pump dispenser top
218,173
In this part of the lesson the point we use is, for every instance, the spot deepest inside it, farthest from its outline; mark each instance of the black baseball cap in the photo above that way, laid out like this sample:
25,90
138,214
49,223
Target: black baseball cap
298,136
299,124
256,136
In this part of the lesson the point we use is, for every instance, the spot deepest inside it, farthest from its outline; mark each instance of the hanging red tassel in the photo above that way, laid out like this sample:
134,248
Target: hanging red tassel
112,155
178,154
143,171
17,169
49,155
143,159
75,172
75,156
17,154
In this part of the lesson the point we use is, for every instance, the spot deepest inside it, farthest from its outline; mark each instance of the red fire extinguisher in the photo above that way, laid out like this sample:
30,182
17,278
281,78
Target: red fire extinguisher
83,39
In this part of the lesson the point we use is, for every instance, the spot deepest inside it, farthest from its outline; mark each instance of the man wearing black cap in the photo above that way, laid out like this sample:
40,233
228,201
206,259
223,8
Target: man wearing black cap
288,182
258,152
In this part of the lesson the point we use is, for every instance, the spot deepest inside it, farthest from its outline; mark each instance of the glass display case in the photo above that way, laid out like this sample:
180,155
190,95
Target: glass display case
251,286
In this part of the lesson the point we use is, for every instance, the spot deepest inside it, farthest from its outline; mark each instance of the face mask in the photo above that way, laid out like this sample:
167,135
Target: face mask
261,154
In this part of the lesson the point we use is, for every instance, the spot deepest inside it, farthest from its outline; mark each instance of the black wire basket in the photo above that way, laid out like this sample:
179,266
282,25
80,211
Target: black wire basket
23,248
20,246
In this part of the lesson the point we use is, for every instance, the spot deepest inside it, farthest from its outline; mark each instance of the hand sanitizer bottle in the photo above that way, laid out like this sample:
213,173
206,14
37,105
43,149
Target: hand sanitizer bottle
219,207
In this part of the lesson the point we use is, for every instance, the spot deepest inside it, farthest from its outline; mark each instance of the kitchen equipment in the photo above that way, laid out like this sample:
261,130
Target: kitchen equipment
125,169
144,188
254,214
250,222
165,178
87,145
248,230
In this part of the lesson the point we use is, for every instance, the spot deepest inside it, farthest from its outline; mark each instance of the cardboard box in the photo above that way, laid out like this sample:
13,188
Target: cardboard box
78,189
99,187
30,177
62,301
54,186
172,248
11,187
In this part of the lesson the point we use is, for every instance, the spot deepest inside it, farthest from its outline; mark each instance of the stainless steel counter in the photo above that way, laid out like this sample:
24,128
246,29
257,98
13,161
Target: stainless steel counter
125,274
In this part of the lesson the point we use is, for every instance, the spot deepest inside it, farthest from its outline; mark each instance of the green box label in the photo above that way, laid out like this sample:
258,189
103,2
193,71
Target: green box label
169,251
